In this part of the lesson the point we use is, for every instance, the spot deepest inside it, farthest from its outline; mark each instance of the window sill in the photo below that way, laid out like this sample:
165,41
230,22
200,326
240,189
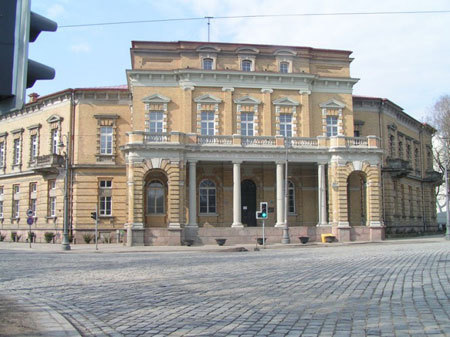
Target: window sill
106,216
156,214
51,217
208,214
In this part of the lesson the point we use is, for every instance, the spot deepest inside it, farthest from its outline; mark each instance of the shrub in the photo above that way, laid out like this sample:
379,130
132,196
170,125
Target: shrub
2,237
87,238
30,236
49,236
106,238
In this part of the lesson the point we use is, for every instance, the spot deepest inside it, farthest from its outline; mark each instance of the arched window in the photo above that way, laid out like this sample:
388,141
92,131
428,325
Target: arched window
207,64
246,65
284,67
291,197
207,192
155,197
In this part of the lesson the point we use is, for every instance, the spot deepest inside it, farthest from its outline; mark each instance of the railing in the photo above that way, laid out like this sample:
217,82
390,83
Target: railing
356,141
216,140
302,142
156,137
258,141
49,160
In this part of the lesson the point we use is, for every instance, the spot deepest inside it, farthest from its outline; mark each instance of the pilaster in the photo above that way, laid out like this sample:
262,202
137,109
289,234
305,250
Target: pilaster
267,112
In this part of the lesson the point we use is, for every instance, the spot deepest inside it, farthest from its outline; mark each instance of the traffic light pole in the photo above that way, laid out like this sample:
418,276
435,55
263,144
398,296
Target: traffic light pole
65,240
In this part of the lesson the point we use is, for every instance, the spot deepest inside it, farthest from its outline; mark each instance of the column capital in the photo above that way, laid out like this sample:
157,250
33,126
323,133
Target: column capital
267,90
237,161
192,161
304,92
228,89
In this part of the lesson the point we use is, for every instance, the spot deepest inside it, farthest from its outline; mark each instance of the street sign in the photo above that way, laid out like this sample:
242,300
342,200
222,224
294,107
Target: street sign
30,212
30,220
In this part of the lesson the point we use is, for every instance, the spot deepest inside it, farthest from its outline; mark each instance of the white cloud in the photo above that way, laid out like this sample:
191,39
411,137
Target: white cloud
80,48
55,11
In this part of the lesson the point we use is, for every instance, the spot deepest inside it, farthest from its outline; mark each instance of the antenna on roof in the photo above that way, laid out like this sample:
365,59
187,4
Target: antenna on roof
209,24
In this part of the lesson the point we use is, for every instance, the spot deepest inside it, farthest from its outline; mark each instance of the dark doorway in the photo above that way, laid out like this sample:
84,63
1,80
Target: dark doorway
248,200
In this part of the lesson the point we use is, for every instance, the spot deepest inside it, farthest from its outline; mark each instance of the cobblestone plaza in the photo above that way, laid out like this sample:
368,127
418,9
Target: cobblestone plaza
396,288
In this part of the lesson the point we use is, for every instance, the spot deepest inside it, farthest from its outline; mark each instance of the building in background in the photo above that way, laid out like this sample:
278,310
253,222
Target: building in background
201,135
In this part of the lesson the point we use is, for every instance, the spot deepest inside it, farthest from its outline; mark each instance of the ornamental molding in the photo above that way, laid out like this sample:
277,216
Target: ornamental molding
54,118
332,104
247,50
286,101
207,99
156,98
284,52
247,100
208,49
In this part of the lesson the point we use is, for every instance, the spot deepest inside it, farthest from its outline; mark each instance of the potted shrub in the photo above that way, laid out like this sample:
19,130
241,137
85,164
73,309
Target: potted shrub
2,237
330,239
48,236
303,239
189,242
87,238
13,236
221,242
30,237
260,241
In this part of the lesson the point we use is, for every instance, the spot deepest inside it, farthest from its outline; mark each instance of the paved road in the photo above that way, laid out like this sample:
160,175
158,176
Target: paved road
388,289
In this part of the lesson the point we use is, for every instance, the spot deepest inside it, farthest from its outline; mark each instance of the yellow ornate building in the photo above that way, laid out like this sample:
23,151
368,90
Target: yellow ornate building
201,135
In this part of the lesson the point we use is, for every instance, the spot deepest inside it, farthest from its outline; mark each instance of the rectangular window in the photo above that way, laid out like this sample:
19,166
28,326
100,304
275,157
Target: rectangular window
105,199
32,197
16,160
284,67
247,124
1,209
15,210
52,206
16,189
207,64
52,184
207,123
33,148
2,154
246,65
106,140
332,126
156,121
286,125
54,140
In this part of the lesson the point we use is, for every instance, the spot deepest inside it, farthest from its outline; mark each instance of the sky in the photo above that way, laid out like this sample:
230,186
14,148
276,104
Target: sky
405,58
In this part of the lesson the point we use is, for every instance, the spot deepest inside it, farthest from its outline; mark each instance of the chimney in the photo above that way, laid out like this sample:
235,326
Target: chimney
33,97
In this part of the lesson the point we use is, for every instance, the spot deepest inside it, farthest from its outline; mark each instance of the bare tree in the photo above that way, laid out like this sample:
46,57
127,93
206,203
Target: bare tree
440,118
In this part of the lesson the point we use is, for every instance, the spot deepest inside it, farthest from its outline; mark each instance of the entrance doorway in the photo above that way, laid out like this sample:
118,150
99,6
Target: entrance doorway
248,200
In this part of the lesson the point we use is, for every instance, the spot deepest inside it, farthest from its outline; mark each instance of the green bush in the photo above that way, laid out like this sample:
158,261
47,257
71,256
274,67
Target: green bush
88,238
49,236
106,238
2,237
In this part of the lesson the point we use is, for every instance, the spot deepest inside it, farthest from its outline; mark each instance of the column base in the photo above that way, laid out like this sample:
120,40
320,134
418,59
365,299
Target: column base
279,225
174,225
135,234
190,233
323,224
343,233
237,225
377,231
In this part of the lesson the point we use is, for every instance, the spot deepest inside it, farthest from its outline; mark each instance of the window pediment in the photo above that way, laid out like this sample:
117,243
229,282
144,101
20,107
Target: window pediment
54,118
208,49
285,52
332,104
247,100
247,50
286,101
156,98
208,99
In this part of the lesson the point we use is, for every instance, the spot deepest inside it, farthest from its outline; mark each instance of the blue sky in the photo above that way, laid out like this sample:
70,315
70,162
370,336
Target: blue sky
405,58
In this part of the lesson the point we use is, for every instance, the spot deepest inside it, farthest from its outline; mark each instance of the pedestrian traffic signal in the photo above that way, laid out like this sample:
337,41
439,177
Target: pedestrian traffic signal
94,215
264,211
19,26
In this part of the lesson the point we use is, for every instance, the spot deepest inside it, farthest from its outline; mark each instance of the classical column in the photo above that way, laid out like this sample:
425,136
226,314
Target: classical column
280,197
237,195
322,196
192,194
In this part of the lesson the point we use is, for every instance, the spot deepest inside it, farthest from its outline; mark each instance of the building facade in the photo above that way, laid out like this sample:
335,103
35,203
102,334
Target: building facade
203,133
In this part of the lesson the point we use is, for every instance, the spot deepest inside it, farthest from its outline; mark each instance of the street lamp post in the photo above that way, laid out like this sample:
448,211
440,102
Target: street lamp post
65,240
286,238
447,230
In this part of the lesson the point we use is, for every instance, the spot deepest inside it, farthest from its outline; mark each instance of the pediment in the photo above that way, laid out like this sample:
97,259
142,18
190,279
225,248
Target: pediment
208,99
247,100
208,49
284,52
156,98
332,104
54,118
285,101
247,50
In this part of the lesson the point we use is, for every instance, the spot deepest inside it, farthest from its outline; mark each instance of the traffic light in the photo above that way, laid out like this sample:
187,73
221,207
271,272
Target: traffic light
94,215
264,210
19,26
263,213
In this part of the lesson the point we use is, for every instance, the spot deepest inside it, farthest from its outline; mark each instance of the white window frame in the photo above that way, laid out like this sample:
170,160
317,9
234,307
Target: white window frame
284,67
156,121
33,147
207,127
246,65
209,61
106,140
105,206
16,209
332,125
52,206
247,124
55,140
17,150
2,154
207,187
285,125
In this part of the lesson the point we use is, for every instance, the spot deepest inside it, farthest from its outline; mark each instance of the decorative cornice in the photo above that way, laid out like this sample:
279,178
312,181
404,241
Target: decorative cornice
15,131
285,101
106,116
156,98
208,99
247,100
54,118
332,104
34,126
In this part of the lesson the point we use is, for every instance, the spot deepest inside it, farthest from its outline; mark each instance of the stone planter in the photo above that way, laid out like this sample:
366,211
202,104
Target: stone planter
221,242
189,242
304,239
330,239
260,241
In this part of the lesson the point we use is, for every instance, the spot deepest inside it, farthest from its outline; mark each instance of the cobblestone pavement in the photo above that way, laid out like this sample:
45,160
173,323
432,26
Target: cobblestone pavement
386,289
